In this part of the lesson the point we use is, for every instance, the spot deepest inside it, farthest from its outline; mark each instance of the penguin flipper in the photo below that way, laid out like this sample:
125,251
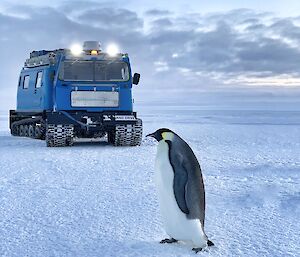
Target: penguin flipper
180,179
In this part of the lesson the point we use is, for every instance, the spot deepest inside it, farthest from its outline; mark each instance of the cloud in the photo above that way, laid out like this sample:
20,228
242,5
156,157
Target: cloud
241,42
112,18
157,12
162,23
201,50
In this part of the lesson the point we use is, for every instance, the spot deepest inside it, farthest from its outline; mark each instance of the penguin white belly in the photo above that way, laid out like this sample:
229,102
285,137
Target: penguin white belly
176,223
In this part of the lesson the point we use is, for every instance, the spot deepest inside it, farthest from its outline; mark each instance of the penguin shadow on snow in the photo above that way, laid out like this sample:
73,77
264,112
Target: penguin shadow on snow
180,187
141,248
185,246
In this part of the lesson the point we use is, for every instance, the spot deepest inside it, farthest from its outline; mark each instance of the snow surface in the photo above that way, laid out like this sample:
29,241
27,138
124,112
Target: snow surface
97,200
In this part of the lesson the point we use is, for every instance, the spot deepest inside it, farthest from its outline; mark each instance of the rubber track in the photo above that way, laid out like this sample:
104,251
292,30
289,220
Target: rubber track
59,135
129,135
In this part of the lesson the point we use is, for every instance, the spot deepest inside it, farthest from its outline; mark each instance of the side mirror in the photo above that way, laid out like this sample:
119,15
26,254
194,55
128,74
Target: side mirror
136,78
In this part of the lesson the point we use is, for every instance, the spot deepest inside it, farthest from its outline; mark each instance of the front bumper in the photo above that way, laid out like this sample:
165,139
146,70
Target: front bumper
91,119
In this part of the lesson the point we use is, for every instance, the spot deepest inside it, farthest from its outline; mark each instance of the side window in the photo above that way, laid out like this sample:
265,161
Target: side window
26,82
38,82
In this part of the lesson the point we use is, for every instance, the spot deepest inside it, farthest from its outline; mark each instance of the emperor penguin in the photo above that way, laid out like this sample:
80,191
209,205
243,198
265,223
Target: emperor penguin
181,191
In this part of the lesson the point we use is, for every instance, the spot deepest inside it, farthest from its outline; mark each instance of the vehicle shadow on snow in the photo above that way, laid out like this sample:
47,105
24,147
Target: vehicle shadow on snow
9,140
91,144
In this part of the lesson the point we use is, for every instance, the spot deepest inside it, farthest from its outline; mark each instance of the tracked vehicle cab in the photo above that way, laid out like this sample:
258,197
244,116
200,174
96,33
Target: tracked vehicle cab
77,92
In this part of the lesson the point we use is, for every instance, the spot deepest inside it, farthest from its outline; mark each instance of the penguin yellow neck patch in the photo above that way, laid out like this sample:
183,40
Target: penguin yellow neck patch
167,135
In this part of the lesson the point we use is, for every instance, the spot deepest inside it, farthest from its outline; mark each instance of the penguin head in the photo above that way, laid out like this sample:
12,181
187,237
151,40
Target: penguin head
162,133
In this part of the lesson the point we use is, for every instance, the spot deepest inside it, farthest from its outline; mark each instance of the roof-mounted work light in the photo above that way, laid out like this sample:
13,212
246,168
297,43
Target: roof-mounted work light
94,52
76,49
112,49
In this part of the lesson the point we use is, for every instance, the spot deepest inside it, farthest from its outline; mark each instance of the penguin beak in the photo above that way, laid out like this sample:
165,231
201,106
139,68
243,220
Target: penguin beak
151,135
155,135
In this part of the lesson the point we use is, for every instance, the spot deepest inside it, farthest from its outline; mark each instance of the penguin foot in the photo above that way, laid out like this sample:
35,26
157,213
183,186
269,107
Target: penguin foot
196,250
210,243
168,241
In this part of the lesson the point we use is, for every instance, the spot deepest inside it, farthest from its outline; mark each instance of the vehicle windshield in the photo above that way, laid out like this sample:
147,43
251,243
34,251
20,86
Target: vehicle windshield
76,70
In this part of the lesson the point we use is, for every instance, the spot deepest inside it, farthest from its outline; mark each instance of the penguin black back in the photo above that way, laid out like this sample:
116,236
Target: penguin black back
188,182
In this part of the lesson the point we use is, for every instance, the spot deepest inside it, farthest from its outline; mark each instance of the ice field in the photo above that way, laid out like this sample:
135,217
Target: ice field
97,200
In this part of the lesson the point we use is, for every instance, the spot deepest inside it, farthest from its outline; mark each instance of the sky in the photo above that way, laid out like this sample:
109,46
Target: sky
201,51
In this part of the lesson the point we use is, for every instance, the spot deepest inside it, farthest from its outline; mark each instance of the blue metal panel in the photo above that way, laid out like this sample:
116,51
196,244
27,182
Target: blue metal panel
55,94
32,98
48,88
63,91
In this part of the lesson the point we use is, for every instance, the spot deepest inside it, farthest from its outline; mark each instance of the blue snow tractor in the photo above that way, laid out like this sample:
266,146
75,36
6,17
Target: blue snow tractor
77,93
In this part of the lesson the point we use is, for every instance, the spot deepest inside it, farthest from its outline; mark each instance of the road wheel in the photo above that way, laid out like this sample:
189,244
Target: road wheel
26,129
21,131
31,131
15,130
